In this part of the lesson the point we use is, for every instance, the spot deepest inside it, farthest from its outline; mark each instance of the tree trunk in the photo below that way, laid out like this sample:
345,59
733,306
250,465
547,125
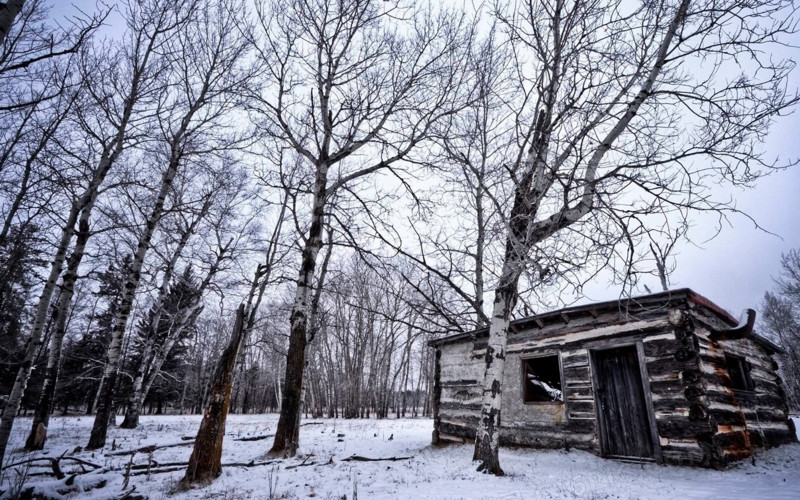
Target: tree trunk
35,342
205,463
487,436
134,406
37,438
284,443
133,409
148,370
90,406
109,156
313,328
120,322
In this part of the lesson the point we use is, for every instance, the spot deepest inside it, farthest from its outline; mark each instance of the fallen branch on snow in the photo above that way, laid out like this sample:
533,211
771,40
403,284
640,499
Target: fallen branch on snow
55,464
148,449
304,463
267,436
254,438
143,470
357,458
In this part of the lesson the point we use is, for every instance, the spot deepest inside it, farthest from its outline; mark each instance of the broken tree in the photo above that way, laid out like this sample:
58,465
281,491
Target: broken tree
205,463
202,87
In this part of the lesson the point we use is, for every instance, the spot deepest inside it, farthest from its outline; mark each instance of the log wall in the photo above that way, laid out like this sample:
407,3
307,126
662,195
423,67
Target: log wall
697,417
742,420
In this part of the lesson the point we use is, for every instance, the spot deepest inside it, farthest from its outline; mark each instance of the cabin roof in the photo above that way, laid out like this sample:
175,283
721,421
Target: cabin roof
630,305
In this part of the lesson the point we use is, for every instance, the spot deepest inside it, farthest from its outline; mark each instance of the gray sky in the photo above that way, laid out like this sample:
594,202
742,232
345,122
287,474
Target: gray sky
735,268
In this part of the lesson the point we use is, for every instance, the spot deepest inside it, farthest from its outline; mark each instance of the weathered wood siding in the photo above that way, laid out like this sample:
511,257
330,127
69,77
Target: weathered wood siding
548,425
742,420
698,418
674,379
459,379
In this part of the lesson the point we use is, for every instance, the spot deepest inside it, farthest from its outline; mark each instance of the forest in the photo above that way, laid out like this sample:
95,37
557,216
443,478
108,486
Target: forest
217,207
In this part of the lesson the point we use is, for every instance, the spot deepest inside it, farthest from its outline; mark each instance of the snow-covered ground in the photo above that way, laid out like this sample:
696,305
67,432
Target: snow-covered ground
433,472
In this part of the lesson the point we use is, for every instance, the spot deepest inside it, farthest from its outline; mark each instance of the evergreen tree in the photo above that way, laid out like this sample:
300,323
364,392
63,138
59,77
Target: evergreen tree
150,338
20,259
82,359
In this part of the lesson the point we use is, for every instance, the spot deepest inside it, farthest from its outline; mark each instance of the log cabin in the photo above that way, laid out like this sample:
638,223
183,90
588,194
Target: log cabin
668,377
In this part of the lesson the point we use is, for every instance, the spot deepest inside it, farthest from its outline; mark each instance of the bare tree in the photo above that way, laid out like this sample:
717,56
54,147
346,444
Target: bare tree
113,137
602,138
89,194
199,91
216,221
148,366
205,462
662,251
31,44
353,88
781,320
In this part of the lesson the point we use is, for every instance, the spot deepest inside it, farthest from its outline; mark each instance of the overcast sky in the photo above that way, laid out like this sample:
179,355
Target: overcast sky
735,268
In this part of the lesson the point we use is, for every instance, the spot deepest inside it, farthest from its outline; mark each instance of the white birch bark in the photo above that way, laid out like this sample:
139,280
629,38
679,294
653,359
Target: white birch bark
295,361
133,407
120,320
37,439
158,356
525,233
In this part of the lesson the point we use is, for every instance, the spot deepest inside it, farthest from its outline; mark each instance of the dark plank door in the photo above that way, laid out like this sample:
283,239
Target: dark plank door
624,423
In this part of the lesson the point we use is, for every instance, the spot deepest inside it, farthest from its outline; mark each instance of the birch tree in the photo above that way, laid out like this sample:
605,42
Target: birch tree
112,137
90,180
199,91
353,88
214,217
155,324
611,125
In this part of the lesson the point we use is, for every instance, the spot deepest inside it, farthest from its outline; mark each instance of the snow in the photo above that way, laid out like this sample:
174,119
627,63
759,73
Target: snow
555,394
433,472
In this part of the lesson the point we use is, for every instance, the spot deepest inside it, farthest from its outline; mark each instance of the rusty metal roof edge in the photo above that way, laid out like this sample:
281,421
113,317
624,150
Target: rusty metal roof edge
756,337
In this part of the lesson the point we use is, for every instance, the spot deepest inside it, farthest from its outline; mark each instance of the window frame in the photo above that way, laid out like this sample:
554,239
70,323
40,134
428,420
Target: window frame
744,368
548,354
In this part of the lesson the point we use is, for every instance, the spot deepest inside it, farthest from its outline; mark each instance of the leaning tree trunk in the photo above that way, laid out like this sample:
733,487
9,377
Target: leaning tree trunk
35,341
205,463
120,321
110,154
133,408
153,360
41,417
134,404
285,443
177,142
144,383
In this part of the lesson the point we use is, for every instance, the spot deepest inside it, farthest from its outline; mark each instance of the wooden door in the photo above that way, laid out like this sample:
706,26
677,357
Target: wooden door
624,421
